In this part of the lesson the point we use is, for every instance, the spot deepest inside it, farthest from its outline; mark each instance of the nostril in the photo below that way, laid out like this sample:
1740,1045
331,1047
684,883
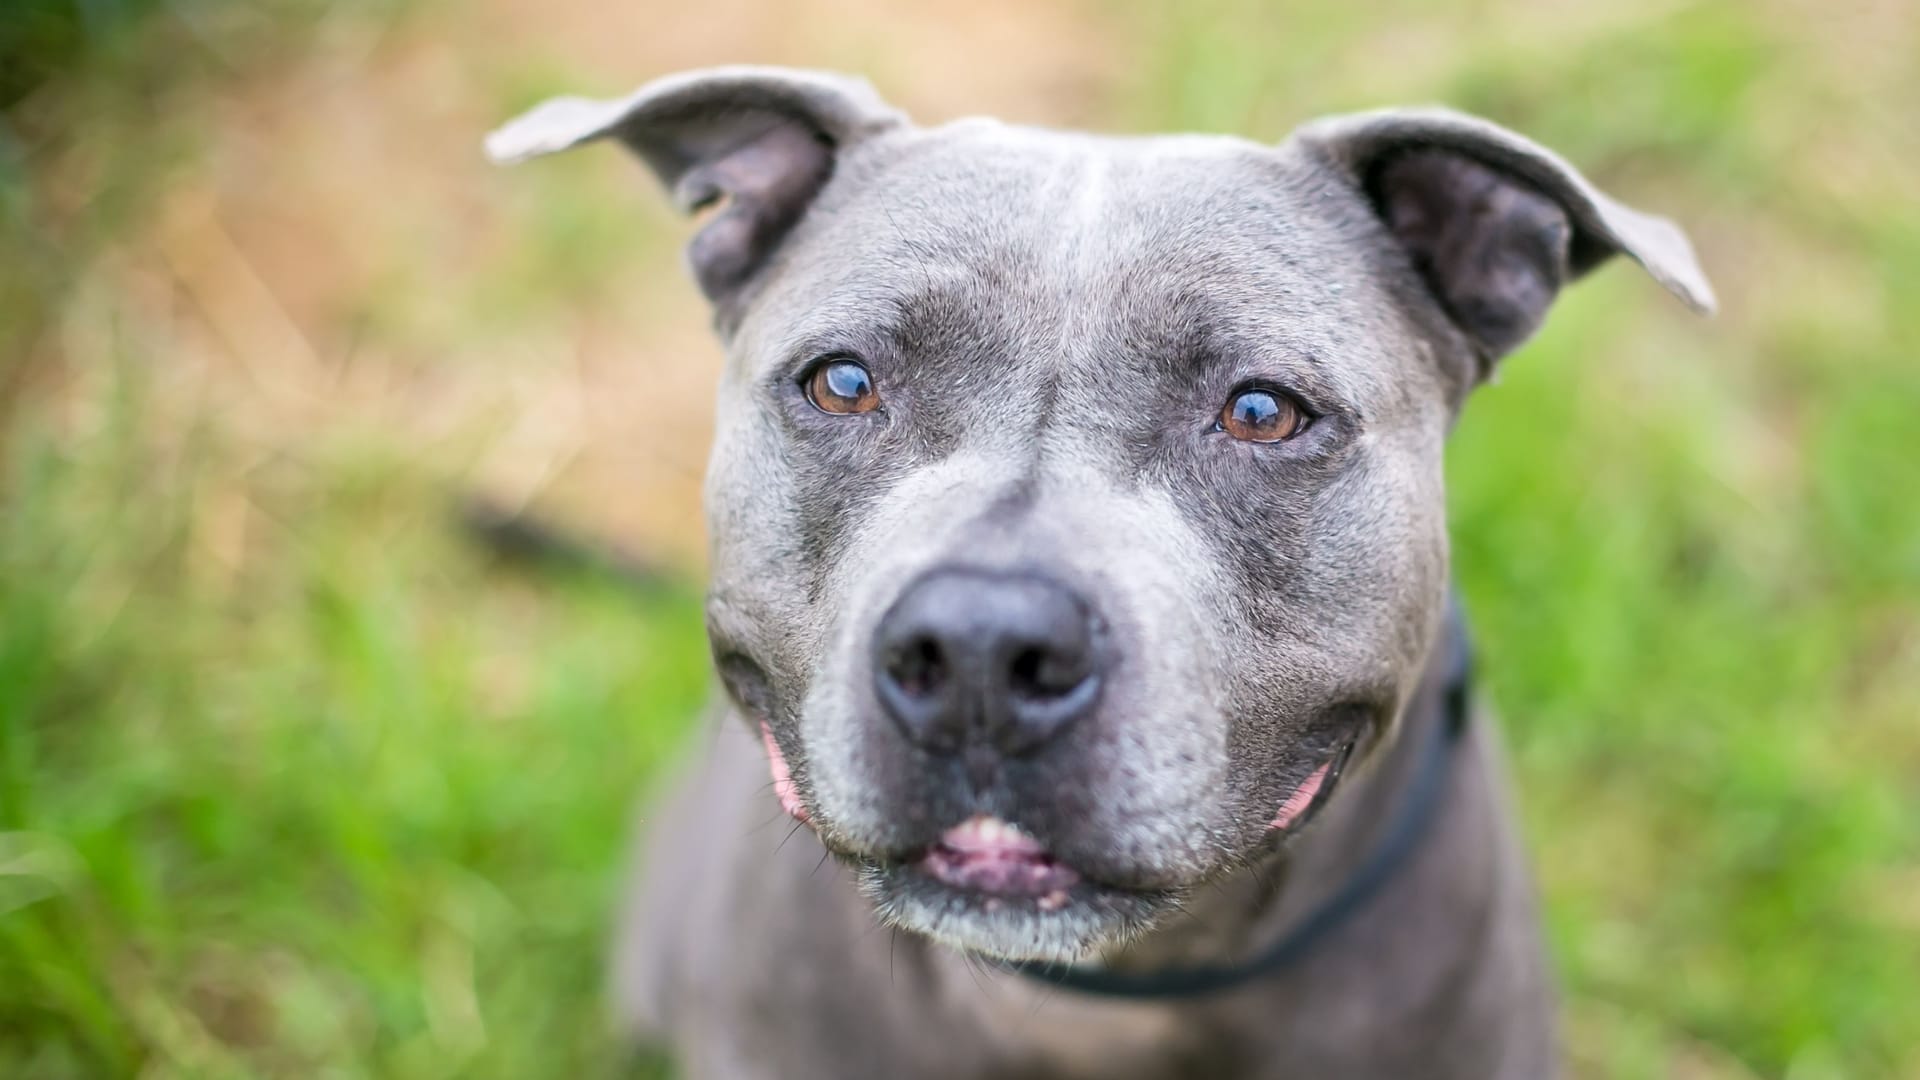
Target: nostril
1041,673
919,668
1026,673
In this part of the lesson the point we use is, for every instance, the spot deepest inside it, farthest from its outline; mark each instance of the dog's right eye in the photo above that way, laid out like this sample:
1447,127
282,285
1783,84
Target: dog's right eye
841,385
1259,415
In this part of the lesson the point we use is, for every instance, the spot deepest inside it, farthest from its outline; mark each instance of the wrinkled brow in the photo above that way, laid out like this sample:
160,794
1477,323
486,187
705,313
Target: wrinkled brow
907,310
1189,333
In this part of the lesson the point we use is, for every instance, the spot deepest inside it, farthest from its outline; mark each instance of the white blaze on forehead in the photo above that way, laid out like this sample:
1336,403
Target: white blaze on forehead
1085,205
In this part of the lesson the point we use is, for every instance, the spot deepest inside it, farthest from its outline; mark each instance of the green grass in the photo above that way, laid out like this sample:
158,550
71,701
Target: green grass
295,818
358,804
295,782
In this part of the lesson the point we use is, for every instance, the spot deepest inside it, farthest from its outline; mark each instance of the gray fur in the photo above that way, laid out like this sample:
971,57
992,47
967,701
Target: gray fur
1054,320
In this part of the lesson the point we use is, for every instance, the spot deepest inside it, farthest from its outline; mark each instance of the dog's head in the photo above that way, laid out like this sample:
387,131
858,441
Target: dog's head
1076,502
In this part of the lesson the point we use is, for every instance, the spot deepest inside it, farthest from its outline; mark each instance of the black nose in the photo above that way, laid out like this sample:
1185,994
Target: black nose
967,657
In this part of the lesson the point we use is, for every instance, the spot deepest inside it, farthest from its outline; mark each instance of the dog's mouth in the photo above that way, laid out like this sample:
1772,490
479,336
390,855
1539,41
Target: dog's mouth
995,859
989,887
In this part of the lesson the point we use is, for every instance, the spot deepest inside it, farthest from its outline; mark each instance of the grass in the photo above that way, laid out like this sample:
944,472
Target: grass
293,781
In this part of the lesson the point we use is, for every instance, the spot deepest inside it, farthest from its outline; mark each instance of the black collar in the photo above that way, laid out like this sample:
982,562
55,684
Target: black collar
1418,808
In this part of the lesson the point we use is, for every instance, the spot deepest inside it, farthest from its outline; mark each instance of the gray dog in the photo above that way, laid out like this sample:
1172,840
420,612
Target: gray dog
1080,580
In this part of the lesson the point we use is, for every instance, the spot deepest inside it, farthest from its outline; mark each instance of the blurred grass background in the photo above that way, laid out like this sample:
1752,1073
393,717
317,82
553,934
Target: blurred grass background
294,781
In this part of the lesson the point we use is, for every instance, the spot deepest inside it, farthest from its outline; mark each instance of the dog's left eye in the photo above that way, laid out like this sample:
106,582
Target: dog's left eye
1256,414
841,385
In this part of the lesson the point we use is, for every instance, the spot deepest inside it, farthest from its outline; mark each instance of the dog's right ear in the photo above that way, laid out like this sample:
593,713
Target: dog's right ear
763,139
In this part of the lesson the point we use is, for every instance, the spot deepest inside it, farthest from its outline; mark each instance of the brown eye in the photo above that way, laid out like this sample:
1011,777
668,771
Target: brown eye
842,386
1262,416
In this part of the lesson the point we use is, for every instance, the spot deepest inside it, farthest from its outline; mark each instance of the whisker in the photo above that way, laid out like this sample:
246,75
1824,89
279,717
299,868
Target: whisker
782,845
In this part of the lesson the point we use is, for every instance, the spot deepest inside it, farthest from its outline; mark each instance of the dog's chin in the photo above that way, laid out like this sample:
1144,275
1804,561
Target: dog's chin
1059,922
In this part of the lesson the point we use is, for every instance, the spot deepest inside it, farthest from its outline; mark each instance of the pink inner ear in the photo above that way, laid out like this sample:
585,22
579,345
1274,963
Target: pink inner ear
766,182
1301,798
783,785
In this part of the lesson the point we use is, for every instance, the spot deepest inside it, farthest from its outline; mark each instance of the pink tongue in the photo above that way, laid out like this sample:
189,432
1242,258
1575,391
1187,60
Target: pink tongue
782,778
1301,798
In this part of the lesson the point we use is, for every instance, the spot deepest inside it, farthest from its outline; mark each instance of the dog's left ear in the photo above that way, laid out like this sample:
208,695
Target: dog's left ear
763,139
1495,223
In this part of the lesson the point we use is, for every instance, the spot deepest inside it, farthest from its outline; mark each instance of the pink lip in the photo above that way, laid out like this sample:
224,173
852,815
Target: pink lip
783,785
987,855
1302,798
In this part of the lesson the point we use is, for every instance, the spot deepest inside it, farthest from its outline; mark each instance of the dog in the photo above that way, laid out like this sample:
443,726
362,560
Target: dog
1080,585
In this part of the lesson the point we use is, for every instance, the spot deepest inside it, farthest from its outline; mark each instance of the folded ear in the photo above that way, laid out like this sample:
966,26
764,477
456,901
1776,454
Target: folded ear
764,139
1495,223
